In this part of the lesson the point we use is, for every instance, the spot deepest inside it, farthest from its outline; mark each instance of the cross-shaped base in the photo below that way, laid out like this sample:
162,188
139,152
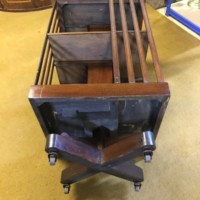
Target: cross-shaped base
115,158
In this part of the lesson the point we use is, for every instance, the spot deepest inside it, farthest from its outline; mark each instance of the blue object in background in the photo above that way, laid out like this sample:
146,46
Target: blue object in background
182,19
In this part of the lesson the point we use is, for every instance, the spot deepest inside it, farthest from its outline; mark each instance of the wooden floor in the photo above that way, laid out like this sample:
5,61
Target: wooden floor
24,170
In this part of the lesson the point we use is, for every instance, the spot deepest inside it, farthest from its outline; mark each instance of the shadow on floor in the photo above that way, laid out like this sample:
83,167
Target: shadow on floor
102,187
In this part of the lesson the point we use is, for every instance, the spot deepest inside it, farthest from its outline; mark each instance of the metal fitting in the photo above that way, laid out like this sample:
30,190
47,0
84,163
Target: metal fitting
148,145
52,158
148,156
137,186
66,188
148,140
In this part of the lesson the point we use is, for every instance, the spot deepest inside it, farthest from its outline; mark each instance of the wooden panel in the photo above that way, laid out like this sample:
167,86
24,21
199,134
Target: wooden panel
71,72
80,109
100,74
94,14
84,48
78,15
91,47
81,47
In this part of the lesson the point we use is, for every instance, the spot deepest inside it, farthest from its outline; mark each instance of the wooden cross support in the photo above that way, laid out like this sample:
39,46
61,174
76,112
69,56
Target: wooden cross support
115,159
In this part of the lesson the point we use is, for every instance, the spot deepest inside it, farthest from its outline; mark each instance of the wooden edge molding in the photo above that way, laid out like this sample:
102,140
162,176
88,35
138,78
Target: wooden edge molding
99,90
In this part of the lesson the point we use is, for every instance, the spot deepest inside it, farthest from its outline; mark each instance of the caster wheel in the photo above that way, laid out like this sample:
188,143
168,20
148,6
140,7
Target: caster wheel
137,186
52,158
148,156
66,189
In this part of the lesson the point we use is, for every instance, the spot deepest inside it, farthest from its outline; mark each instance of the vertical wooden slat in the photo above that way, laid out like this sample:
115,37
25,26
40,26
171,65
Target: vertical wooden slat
47,59
140,16
139,42
52,70
129,60
38,75
48,64
116,67
152,45
58,29
44,64
56,26
53,22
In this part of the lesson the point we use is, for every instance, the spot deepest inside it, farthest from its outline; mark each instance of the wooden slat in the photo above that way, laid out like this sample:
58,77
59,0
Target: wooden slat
52,70
56,26
44,63
129,60
53,23
49,63
38,75
116,67
139,42
151,43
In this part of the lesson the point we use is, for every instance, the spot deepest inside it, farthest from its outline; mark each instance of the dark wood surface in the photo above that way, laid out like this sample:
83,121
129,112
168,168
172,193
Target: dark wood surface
99,90
114,159
81,48
95,13
80,109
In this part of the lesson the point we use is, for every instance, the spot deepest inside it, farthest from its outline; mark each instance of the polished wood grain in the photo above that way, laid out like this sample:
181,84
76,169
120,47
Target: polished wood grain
152,45
115,53
138,37
99,90
129,59
100,74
